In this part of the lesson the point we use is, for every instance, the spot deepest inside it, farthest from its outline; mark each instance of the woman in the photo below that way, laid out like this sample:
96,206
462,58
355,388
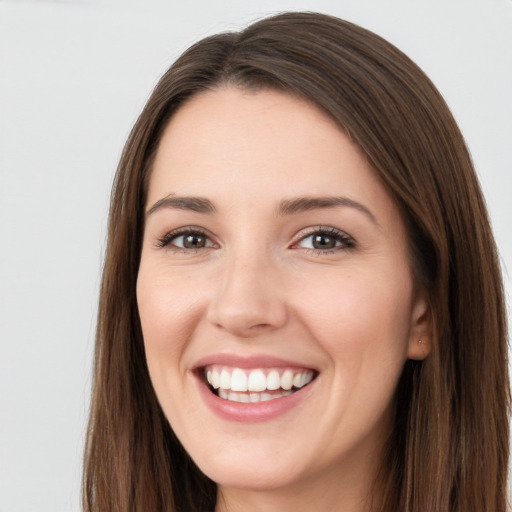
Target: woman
301,306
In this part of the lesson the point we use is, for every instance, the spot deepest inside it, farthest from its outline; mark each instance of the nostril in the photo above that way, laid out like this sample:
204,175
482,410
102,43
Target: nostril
259,326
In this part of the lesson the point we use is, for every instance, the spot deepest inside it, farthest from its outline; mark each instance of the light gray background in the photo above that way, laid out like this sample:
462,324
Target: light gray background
73,77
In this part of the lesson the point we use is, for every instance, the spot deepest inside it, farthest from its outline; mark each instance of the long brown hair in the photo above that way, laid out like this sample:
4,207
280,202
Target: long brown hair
449,447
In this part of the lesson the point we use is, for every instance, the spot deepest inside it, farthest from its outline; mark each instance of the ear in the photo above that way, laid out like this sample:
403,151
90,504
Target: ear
420,339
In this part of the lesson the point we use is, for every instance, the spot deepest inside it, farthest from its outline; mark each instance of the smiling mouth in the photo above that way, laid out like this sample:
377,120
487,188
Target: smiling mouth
255,385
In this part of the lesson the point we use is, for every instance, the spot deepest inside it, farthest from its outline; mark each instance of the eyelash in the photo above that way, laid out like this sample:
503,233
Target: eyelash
345,241
166,240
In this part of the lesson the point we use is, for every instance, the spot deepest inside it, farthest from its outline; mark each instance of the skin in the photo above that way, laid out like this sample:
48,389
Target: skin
260,286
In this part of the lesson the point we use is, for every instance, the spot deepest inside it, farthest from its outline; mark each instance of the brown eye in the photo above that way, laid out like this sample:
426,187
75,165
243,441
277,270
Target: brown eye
185,240
192,241
326,240
323,242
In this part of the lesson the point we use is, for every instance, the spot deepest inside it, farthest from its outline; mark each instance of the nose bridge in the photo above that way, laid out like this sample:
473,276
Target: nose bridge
248,299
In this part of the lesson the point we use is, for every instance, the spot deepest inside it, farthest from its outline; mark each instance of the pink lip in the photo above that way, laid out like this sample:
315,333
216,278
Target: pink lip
254,361
249,412
246,413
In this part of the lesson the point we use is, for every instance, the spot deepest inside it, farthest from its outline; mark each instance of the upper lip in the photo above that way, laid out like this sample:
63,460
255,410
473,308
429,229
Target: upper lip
251,361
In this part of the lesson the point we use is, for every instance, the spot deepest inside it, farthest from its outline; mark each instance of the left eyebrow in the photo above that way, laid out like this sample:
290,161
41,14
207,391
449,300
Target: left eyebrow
195,204
304,204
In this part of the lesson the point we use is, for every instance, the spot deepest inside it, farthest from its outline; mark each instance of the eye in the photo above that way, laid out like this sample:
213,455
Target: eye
186,239
325,240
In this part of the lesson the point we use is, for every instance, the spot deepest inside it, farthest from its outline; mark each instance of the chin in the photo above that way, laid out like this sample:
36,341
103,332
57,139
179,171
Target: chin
249,463
251,477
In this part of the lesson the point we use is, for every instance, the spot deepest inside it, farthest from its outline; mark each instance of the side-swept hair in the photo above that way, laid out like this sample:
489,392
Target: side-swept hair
448,451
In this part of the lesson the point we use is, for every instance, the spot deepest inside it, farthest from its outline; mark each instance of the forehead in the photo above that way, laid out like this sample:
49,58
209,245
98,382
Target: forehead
236,145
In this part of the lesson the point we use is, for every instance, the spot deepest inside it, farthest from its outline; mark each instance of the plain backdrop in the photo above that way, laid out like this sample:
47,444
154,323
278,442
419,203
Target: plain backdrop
73,77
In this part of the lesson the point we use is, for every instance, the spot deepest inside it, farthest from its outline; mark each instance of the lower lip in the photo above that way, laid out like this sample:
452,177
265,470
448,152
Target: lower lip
252,412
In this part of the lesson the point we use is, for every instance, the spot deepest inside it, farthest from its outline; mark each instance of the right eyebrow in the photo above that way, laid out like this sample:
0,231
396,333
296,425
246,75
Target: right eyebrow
195,204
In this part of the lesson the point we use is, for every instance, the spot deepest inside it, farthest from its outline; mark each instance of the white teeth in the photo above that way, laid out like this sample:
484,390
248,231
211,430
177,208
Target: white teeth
287,380
273,380
225,380
213,378
254,397
238,380
257,381
233,397
246,386
297,380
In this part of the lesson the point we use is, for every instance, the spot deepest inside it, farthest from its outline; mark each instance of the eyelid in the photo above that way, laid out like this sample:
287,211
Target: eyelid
347,241
166,240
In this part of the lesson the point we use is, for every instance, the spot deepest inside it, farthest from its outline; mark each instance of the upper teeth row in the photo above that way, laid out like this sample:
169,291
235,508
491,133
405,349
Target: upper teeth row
237,379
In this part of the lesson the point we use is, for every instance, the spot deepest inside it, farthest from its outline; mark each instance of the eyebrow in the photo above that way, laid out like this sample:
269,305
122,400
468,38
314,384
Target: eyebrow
195,204
304,204
286,207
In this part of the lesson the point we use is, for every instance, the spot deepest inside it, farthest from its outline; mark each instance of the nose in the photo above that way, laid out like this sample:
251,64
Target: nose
248,301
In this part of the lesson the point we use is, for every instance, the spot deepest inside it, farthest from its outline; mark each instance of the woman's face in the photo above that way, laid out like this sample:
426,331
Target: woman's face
275,266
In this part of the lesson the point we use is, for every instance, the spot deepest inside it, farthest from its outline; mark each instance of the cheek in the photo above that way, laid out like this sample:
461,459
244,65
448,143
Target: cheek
166,318
361,322
363,327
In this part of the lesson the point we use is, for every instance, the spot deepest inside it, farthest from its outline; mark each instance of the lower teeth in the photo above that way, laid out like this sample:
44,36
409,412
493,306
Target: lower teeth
252,397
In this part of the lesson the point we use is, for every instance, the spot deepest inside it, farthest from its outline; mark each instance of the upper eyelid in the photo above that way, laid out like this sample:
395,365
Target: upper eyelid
305,232
346,240
187,229
300,235
166,239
